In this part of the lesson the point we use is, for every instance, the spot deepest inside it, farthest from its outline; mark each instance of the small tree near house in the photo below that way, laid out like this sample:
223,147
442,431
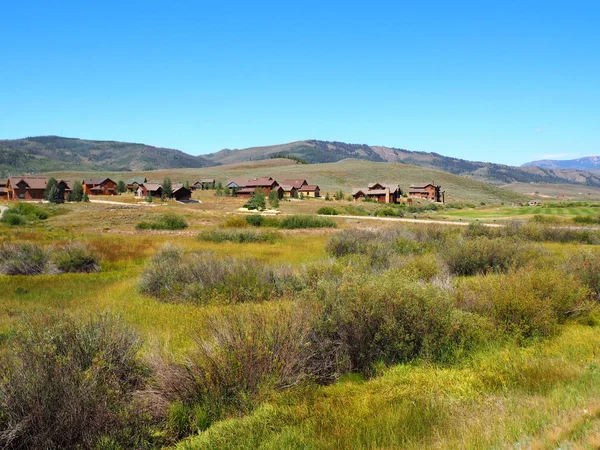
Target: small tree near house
121,187
167,187
257,201
274,199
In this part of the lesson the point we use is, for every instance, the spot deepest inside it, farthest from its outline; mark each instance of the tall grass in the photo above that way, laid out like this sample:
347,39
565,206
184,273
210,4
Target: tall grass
23,259
168,221
239,236
291,222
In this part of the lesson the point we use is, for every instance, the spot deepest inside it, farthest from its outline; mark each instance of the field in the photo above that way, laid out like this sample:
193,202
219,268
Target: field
363,335
525,212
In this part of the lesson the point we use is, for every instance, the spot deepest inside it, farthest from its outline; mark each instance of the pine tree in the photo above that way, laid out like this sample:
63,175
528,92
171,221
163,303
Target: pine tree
85,197
121,187
56,194
274,199
227,191
187,185
167,188
257,201
49,185
77,193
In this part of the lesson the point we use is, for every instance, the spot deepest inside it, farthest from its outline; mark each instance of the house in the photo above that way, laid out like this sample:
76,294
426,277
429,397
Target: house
297,183
535,203
289,190
3,193
26,188
379,192
236,183
99,186
247,192
197,185
267,184
181,193
310,190
134,183
154,190
427,191
208,183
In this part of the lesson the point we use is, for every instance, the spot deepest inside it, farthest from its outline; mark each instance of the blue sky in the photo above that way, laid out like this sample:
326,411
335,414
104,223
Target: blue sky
509,82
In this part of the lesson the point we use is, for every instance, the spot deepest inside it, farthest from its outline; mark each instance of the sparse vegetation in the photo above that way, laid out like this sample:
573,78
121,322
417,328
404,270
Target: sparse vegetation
327,211
239,236
168,221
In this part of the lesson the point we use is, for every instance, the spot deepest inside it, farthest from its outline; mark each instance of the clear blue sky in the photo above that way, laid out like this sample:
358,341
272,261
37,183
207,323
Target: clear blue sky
507,83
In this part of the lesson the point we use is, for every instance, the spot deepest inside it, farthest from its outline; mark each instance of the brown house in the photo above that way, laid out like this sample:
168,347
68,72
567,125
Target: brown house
265,183
427,191
249,191
181,193
99,186
310,190
134,183
380,192
289,190
196,186
297,183
153,189
26,188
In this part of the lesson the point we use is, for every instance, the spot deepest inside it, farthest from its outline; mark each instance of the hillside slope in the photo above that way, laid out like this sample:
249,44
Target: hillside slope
48,153
313,151
330,177
591,163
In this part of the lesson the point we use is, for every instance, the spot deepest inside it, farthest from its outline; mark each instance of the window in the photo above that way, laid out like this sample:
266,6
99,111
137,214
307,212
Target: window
21,195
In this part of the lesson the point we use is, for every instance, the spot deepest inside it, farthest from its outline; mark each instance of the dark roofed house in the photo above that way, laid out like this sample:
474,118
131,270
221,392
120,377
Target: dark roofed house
197,185
380,192
265,183
26,188
234,183
427,191
310,190
99,186
181,193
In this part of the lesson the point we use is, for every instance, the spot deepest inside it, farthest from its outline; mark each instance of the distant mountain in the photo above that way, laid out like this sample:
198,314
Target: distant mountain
587,163
51,153
313,151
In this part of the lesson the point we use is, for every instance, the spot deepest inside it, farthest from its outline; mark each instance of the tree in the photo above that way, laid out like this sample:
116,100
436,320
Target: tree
121,187
327,197
274,199
77,193
56,194
257,201
49,185
167,188
219,192
220,185
227,191
187,185
85,197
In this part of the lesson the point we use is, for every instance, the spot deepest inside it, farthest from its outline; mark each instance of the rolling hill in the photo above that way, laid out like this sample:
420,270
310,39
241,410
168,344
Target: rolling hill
48,153
589,163
53,153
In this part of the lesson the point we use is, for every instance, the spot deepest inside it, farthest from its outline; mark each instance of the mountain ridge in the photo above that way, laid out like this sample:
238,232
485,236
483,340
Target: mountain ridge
586,163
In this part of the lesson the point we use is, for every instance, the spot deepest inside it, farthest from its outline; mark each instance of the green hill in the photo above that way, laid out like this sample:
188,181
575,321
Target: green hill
330,177
50,153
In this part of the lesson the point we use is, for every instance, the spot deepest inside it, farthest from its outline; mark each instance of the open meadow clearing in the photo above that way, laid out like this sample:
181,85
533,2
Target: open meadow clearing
297,331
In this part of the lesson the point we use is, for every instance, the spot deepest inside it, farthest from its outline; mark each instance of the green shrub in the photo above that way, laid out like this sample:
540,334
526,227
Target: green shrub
76,258
168,221
327,211
585,266
239,236
306,221
22,213
12,219
587,220
257,201
23,259
175,275
483,255
72,385
256,220
527,303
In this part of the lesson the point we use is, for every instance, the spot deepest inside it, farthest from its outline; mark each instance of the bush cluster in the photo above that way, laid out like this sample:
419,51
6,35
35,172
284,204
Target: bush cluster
291,222
168,221
23,213
31,259
327,211
176,275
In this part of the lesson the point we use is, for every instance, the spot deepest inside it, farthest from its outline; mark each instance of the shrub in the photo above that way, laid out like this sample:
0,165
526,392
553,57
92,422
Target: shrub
585,266
72,385
22,213
588,220
256,220
239,236
176,275
23,259
302,221
327,211
76,258
526,303
483,255
235,222
257,201
391,320
13,219
168,221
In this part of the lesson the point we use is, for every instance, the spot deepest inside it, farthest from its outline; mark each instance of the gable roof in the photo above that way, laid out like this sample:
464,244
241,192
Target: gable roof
287,187
262,181
237,181
96,180
309,188
31,182
152,186
296,182
207,180
423,186
138,180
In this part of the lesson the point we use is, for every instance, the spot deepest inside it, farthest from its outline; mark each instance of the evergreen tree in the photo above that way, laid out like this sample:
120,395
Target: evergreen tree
121,187
257,201
85,197
186,185
274,199
167,188
49,185
220,185
77,193
227,191
56,194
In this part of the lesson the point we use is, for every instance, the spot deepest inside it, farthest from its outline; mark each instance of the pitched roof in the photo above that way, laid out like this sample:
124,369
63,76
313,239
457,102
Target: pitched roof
3,183
262,181
422,186
309,188
32,182
238,181
138,180
287,187
96,180
178,187
297,182
418,190
246,190
207,180
152,186
356,191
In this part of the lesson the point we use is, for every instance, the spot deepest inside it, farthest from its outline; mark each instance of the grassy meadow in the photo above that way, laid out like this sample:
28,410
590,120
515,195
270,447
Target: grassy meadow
359,334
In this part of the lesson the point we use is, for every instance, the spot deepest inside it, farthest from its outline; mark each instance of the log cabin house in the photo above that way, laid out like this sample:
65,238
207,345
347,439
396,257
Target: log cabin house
99,186
289,190
26,188
154,190
379,192
297,182
181,193
427,191
134,183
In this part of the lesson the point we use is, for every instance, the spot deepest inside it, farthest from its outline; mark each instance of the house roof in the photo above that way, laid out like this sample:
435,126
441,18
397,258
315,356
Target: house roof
207,180
297,182
178,187
68,184
96,180
3,183
152,186
262,181
246,190
138,180
357,191
309,188
418,191
237,181
422,186
32,182
287,187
